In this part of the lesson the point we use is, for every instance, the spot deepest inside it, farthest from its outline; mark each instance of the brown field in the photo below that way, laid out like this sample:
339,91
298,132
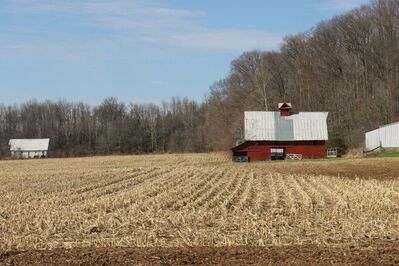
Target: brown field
169,203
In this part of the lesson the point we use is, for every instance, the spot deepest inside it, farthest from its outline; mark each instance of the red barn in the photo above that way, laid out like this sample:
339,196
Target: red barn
283,134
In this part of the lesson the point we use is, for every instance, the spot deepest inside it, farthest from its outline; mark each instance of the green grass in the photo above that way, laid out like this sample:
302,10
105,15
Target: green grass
385,154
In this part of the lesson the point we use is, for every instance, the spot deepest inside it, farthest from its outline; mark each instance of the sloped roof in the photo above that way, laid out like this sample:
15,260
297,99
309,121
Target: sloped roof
391,124
270,126
29,144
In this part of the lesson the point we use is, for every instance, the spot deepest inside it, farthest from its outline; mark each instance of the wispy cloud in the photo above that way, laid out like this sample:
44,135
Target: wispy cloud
146,21
116,13
223,39
342,5
156,82
90,7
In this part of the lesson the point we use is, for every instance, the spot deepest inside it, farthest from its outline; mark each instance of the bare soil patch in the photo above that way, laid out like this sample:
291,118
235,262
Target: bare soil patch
378,254
364,168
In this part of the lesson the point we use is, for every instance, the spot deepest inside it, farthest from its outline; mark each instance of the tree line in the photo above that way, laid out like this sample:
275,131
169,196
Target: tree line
113,127
347,66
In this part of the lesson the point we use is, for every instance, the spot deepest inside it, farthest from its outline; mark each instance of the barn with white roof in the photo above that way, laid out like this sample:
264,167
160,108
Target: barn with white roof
29,148
282,134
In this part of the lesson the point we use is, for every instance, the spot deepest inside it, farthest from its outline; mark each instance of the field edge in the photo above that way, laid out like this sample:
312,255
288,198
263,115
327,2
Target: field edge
381,254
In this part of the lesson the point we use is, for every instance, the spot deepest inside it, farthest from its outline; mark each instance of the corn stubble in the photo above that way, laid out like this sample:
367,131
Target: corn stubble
195,200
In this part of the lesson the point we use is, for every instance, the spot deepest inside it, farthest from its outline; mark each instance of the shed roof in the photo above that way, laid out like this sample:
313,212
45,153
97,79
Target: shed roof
270,126
391,124
29,144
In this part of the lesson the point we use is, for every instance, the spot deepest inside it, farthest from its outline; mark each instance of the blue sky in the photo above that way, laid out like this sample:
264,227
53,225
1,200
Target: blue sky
142,51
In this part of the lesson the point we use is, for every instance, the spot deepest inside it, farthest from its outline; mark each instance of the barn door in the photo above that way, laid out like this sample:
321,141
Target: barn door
277,153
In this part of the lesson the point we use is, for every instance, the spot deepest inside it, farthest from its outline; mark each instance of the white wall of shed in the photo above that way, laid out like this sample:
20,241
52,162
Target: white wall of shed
28,155
389,136
386,137
373,140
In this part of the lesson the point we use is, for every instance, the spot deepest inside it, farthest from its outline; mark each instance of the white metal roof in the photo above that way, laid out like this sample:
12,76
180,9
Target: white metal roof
29,144
270,126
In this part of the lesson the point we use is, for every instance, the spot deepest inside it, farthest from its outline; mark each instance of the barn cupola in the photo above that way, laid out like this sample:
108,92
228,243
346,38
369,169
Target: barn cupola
285,109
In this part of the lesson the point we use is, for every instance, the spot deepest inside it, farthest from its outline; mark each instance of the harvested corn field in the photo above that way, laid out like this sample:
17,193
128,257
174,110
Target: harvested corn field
195,200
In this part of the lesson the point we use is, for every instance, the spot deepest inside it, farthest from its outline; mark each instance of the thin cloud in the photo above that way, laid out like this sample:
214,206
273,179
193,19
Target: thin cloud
342,5
236,40
139,21
70,6
96,8
156,82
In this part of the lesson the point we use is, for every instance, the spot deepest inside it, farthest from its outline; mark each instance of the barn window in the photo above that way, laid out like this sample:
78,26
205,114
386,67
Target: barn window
277,153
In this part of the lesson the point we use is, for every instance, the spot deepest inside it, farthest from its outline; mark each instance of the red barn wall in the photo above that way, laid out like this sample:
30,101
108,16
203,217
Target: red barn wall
260,150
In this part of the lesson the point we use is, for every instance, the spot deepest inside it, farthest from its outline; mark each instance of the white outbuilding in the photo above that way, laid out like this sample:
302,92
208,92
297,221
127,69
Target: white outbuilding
29,148
384,137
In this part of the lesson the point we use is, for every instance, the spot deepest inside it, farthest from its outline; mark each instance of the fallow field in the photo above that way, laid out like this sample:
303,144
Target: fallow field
196,200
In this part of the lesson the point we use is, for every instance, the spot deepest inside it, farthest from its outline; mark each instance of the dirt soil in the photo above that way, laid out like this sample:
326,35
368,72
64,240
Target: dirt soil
375,254
370,168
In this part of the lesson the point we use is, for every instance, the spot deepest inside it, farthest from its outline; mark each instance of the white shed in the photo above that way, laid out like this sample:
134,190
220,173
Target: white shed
29,148
384,137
